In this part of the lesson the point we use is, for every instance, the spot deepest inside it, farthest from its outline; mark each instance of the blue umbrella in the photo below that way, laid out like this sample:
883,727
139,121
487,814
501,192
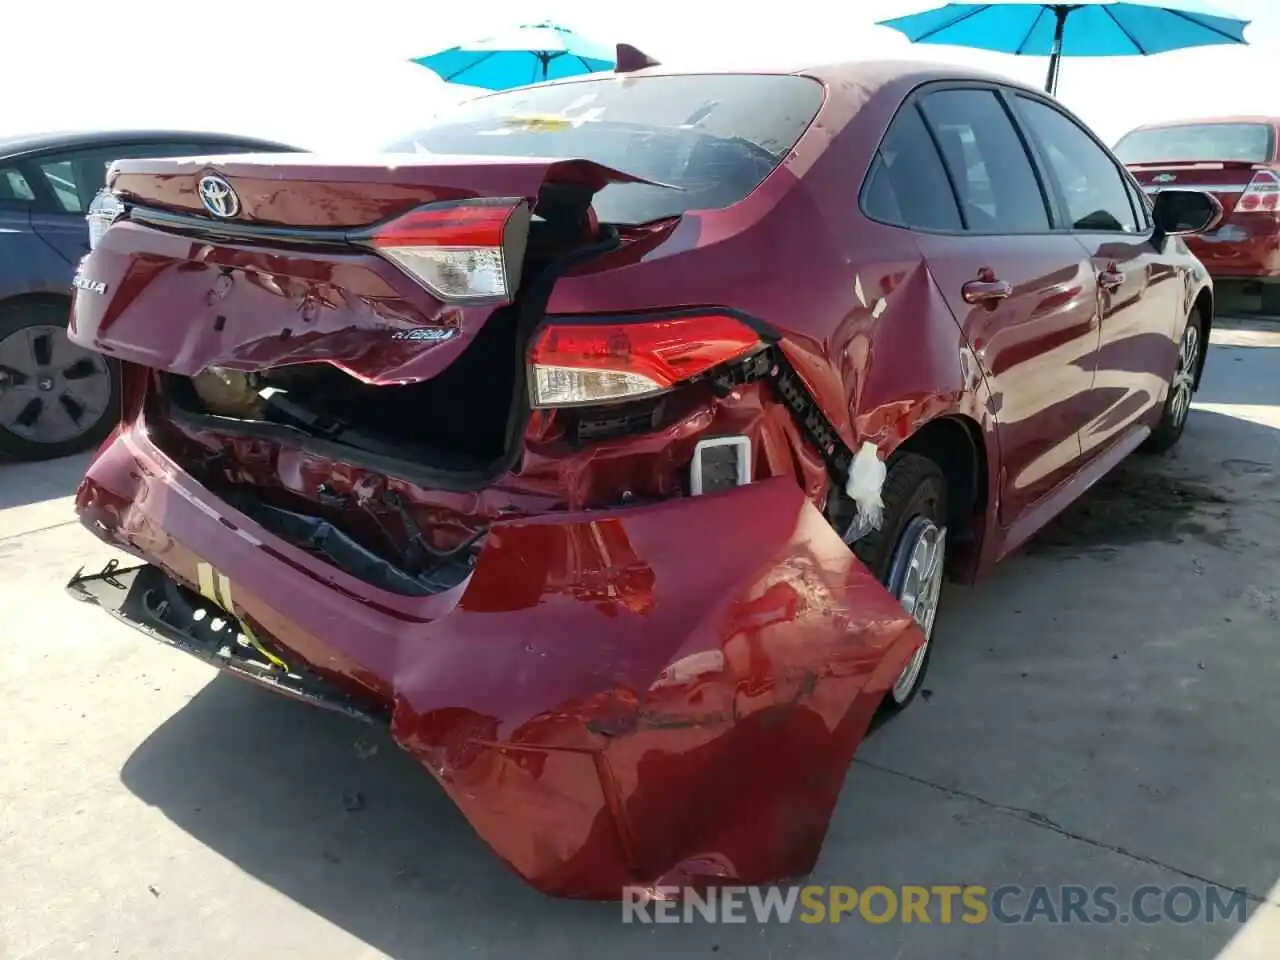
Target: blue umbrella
1084,28
519,56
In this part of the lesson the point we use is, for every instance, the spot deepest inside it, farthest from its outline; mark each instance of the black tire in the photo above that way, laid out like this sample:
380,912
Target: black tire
15,317
1173,419
1271,297
914,488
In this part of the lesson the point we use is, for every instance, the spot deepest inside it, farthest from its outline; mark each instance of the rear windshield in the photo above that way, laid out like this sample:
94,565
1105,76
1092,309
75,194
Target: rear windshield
714,137
1198,141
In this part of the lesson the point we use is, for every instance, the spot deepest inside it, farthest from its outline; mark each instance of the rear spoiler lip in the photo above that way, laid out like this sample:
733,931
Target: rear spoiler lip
1225,164
319,238
206,228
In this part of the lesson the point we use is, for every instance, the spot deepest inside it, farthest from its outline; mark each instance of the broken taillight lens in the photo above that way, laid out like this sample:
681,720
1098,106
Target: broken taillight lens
573,363
466,251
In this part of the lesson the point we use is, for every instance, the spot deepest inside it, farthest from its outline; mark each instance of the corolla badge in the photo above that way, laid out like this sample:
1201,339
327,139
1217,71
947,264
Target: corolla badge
218,197
81,282
1164,178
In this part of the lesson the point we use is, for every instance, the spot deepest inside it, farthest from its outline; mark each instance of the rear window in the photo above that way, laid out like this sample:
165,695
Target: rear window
1251,142
714,137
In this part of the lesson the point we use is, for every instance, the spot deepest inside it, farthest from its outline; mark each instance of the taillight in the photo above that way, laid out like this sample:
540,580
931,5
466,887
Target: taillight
1263,193
105,210
463,252
574,363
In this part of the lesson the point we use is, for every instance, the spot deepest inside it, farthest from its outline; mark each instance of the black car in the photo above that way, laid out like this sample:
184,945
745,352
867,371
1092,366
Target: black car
55,398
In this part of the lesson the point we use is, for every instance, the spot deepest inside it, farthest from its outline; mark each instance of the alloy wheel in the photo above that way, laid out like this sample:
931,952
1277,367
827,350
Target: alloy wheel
915,578
51,390
1183,383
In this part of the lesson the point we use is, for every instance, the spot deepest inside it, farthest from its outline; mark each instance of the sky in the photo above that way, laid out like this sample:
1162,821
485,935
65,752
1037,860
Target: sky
334,75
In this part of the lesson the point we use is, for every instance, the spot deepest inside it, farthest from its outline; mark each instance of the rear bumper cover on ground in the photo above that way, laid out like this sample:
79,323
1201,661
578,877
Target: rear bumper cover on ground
659,694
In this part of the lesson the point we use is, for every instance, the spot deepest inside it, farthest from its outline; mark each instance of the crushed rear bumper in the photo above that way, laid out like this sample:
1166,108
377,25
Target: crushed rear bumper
661,694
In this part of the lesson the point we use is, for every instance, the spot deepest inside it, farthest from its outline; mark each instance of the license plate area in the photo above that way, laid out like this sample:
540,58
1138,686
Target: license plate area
148,599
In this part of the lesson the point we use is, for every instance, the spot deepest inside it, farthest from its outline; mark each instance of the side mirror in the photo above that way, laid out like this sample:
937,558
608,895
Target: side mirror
1180,212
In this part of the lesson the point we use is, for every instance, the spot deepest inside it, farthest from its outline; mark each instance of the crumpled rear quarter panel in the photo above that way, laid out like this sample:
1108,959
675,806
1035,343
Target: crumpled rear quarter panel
658,694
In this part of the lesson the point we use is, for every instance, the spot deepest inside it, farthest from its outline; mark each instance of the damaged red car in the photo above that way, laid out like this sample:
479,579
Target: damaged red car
610,439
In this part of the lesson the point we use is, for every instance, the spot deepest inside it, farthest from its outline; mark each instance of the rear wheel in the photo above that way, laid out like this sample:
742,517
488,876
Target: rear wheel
1173,418
1271,297
55,398
908,555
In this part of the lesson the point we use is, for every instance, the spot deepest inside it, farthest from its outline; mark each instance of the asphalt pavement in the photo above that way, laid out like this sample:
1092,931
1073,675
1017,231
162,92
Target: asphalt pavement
1101,712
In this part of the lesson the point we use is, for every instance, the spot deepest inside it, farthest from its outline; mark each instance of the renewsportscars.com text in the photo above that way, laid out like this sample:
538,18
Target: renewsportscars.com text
939,903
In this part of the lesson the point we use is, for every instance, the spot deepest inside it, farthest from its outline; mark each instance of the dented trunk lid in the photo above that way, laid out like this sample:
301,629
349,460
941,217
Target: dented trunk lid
280,280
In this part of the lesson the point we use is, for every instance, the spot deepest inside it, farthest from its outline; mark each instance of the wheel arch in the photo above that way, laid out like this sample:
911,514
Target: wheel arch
955,442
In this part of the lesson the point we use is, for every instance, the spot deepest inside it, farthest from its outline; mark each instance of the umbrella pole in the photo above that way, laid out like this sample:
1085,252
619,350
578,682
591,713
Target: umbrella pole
1055,55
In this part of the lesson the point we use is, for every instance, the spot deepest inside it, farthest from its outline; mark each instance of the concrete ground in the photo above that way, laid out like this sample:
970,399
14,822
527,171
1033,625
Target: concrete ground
1101,712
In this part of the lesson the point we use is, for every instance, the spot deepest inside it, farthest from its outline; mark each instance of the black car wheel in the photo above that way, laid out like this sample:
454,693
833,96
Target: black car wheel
1182,385
1271,297
908,554
55,398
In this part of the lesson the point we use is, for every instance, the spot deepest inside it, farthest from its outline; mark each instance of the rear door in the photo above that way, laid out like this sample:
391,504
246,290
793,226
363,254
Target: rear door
1023,294
1139,294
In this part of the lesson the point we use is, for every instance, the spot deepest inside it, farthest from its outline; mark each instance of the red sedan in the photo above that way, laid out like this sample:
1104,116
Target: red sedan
1237,159
611,439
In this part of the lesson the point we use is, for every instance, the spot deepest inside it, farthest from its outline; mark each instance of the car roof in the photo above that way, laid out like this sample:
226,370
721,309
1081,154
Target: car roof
856,78
16,145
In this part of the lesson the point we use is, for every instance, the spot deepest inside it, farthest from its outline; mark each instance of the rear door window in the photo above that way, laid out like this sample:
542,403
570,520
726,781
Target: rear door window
14,187
907,185
1248,142
60,176
714,137
996,182
1096,193
74,177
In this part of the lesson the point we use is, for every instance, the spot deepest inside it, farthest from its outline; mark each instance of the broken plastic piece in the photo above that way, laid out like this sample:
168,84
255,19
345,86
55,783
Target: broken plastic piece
866,480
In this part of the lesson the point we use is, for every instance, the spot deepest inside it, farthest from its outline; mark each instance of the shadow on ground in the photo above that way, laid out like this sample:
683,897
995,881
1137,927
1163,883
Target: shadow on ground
24,483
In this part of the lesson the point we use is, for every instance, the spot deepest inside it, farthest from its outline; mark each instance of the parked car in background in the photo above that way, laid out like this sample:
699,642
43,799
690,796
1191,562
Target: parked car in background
1237,159
628,507
57,398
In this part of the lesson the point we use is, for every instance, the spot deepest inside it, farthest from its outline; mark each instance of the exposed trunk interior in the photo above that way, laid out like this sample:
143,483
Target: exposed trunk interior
454,431
458,421
460,427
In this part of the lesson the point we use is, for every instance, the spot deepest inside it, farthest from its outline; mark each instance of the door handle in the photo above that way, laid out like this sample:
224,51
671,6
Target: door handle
986,290
1111,279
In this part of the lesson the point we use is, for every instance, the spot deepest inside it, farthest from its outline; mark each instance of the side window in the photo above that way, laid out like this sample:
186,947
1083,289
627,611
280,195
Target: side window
999,191
74,178
71,179
60,175
1141,205
1097,195
907,185
14,186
